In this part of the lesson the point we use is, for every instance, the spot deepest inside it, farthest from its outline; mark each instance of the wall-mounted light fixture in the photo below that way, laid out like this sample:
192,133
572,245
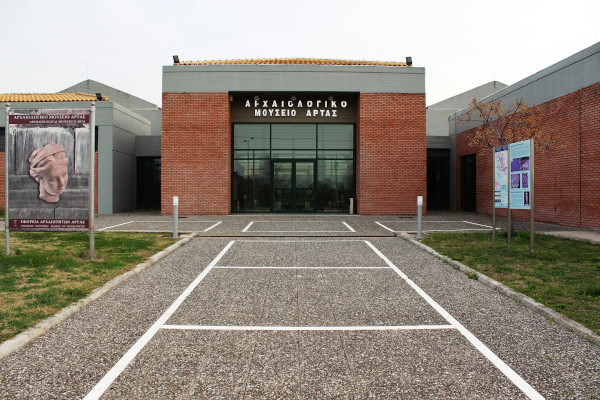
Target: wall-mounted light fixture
409,61
99,96
176,59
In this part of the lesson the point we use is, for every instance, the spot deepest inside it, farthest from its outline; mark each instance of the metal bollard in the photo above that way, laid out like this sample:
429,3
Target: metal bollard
175,217
351,205
419,215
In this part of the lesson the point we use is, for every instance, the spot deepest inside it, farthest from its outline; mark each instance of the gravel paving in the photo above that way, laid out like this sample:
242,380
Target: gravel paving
320,318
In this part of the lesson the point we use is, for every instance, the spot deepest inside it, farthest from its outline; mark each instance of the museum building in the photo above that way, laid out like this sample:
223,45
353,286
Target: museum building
293,136
567,177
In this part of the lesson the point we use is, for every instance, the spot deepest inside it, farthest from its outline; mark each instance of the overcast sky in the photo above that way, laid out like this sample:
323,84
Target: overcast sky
47,46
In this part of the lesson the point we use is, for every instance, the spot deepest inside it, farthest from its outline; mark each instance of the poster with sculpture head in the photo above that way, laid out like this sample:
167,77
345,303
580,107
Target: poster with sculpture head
49,169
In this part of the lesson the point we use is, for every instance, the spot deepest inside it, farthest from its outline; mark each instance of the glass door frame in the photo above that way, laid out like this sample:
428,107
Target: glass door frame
293,188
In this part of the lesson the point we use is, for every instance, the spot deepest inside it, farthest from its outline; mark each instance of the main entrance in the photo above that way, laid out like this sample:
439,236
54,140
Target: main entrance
305,168
293,184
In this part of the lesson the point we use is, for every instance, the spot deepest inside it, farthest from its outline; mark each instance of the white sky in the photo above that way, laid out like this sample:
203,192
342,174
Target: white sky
49,45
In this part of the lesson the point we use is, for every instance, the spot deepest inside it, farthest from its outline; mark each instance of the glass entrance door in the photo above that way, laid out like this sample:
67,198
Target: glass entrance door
293,185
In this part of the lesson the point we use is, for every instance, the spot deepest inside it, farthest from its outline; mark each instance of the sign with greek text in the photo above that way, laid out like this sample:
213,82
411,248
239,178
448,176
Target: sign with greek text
49,171
277,107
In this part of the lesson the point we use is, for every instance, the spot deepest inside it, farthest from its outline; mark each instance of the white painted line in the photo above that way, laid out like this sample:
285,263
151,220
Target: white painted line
412,221
425,221
385,227
116,370
263,267
114,226
299,241
247,227
300,231
453,230
433,230
210,227
302,222
170,221
474,223
305,328
483,349
181,230
349,227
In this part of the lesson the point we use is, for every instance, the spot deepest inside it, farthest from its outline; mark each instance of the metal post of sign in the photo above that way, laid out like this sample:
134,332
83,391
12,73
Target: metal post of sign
508,213
175,217
531,202
6,156
92,180
352,205
419,215
494,197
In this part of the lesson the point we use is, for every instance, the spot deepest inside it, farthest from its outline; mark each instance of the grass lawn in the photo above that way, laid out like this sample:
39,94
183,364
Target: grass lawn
562,274
47,271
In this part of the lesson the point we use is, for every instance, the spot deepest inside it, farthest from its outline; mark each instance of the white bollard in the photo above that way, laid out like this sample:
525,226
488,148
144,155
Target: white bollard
175,217
419,215
351,205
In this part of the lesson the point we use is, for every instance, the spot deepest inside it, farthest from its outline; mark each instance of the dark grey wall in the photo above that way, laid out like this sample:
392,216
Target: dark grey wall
127,127
147,146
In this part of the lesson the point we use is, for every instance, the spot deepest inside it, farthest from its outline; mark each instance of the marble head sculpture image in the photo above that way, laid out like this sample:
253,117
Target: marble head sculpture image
48,166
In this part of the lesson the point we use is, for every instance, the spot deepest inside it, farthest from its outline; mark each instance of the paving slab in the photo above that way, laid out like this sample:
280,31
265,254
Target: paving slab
330,284
308,297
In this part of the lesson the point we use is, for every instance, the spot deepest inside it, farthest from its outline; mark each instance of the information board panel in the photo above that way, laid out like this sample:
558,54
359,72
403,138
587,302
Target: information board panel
520,175
501,176
49,171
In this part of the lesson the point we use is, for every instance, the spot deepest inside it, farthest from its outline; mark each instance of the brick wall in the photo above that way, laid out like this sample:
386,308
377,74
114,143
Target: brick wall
567,177
391,153
196,153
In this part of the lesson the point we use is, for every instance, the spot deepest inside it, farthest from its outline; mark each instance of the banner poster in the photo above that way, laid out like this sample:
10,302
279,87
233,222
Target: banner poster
49,171
501,176
520,174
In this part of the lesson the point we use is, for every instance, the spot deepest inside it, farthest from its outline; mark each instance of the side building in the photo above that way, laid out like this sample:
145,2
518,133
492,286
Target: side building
147,147
293,135
441,148
567,176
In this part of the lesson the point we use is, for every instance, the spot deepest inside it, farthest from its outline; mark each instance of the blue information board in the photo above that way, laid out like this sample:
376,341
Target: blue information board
520,175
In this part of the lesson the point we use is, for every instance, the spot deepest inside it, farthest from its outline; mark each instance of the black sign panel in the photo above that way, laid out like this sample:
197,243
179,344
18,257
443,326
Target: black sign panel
304,107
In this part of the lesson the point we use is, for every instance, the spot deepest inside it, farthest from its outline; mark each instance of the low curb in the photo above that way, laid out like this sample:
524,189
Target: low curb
520,298
24,338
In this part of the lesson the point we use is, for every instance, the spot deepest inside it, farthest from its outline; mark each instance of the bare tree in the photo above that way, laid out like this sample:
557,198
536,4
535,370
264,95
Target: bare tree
498,125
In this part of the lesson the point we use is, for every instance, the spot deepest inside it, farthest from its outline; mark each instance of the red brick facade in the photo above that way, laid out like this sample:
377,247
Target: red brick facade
391,153
196,153
567,177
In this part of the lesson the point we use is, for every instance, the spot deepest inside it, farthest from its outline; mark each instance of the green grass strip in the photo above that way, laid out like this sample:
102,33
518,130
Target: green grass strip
562,274
48,271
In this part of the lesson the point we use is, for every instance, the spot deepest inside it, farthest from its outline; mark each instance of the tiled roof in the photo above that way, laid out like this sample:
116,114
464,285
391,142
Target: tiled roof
293,61
47,97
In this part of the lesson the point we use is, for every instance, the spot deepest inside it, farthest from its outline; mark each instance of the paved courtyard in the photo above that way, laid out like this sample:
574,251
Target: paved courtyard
302,307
